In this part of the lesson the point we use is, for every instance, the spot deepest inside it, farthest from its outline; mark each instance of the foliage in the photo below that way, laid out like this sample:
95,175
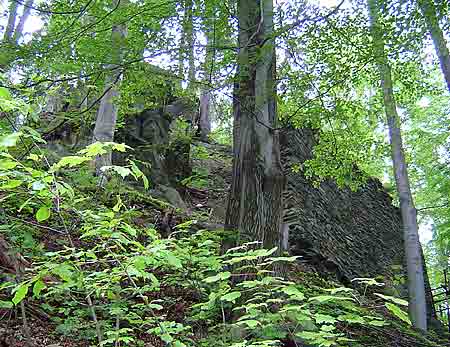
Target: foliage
326,82
111,287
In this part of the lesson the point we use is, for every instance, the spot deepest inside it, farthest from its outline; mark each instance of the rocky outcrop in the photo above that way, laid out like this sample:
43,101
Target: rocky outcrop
346,233
159,143
357,233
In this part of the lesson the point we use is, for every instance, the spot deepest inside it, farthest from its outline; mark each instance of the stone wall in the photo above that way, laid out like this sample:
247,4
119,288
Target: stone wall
346,233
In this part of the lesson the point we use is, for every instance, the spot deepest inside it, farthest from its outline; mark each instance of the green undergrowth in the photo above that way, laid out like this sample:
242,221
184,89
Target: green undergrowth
97,265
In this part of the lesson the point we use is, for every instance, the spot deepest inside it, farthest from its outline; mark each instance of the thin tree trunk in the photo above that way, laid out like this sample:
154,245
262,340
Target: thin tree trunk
204,122
26,13
416,285
255,201
440,44
181,48
189,37
9,30
105,124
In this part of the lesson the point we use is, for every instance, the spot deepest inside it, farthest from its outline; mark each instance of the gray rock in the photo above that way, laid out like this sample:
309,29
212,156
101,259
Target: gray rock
171,195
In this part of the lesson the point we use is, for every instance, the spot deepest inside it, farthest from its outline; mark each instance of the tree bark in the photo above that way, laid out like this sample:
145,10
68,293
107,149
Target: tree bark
9,30
416,285
23,18
189,36
204,122
255,202
428,9
105,124
181,47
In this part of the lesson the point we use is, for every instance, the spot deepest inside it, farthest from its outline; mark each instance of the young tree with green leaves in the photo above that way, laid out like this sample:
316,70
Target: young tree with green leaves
416,287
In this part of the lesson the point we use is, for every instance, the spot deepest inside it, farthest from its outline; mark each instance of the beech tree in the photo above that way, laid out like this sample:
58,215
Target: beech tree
255,201
105,124
14,32
416,287
11,24
18,32
428,8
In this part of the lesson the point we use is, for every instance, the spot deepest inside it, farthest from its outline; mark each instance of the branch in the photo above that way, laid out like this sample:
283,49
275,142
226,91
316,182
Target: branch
432,207
50,11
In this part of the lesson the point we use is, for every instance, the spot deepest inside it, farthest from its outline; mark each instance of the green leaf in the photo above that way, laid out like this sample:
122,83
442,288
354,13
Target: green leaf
166,338
327,328
221,276
329,298
137,173
122,171
393,299
94,149
9,140
5,94
251,323
6,164
323,318
337,290
37,288
11,184
293,292
398,312
155,306
120,147
173,260
286,259
70,161
33,157
43,214
351,318
64,271
6,304
231,297
376,323
20,293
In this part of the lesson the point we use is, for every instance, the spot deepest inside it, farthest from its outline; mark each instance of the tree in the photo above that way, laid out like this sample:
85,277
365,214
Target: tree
428,9
416,287
11,24
105,124
209,30
187,38
255,202
23,18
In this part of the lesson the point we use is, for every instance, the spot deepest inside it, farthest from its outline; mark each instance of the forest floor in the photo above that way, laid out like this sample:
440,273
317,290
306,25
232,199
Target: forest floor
206,200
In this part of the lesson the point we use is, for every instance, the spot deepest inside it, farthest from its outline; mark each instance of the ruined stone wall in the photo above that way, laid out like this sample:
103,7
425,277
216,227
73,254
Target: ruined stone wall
346,233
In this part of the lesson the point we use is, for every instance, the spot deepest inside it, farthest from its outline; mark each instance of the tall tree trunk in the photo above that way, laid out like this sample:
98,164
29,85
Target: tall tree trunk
255,202
105,124
181,46
23,18
416,285
189,38
428,9
12,16
204,122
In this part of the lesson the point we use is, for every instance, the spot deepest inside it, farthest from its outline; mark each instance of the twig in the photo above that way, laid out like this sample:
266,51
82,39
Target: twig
98,329
38,225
